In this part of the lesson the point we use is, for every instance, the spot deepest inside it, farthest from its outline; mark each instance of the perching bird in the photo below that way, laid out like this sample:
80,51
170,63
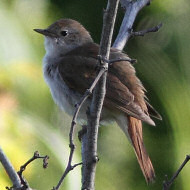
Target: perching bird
69,68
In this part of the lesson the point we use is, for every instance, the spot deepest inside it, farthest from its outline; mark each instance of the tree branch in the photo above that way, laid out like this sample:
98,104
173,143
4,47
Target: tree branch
89,141
132,8
10,170
168,183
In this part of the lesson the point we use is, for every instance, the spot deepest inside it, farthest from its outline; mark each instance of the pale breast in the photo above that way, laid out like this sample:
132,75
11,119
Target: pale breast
63,96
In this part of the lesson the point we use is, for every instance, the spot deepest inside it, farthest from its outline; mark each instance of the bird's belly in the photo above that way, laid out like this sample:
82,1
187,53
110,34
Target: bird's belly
62,95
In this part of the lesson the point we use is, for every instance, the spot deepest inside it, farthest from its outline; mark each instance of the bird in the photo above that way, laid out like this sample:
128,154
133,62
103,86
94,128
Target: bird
70,67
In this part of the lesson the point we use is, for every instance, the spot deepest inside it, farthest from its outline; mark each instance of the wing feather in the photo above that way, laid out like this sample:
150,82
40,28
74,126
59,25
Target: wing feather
124,91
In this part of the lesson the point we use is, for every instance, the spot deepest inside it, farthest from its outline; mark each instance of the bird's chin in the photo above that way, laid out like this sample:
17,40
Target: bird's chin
52,47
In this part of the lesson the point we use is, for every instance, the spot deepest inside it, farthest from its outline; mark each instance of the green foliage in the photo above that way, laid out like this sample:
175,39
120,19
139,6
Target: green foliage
30,121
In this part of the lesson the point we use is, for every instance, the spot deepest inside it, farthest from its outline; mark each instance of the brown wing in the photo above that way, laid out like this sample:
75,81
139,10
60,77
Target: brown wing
124,90
77,72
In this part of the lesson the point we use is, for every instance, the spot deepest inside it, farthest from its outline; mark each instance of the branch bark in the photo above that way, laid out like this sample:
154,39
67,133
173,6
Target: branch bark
132,8
10,170
89,141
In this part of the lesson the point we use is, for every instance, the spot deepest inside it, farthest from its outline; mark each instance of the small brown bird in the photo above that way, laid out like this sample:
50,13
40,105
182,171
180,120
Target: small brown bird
70,68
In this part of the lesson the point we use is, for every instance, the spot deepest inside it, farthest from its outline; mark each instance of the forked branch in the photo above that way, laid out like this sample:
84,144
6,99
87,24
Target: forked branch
36,155
132,8
19,183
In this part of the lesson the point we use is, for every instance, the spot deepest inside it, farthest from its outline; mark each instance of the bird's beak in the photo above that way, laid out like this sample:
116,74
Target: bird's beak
45,32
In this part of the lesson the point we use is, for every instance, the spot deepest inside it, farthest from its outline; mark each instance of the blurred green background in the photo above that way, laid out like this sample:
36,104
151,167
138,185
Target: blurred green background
29,120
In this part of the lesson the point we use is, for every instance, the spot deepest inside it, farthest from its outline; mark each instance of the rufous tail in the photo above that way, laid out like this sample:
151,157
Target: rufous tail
135,134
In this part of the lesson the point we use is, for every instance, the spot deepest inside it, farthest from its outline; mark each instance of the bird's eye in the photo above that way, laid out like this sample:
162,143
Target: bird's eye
64,32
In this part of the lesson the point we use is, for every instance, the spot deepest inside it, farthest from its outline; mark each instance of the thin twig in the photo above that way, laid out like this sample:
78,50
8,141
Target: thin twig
73,126
111,61
10,170
167,184
132,61
67,170
143,32
23,167
35,156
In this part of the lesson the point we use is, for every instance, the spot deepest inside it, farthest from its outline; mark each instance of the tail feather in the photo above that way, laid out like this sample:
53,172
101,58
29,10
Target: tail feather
135,134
